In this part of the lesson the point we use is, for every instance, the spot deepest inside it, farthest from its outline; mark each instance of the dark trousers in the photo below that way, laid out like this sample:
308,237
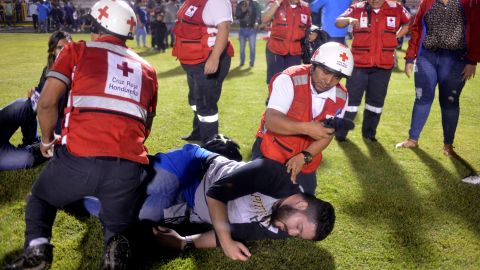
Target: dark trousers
277,63
117,183
307,181
35,21
204,93
374,82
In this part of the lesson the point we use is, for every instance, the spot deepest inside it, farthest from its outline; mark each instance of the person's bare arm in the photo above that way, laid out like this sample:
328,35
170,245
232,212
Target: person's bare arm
267,15
211,66
295,164
342,22
218,214
47,112
169,238
402,31
278,122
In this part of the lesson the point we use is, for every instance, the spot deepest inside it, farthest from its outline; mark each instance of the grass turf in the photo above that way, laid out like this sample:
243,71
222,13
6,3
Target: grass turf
396,208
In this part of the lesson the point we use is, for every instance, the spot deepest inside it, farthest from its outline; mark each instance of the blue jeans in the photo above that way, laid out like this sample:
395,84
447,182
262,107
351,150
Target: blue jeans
175,178
18,114
169,33
141,32
277,63
251,35
442,67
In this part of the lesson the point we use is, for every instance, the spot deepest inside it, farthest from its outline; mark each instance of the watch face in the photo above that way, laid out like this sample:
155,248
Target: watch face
307,156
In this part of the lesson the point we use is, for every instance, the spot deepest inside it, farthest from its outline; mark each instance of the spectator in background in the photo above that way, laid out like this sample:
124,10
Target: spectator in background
330,10
170,9
57,16
69,9
141,31
43,14
32,10
290,19
19,16
376,26
314,38
9,9
2,10
249,14
22,114
159,31
446,53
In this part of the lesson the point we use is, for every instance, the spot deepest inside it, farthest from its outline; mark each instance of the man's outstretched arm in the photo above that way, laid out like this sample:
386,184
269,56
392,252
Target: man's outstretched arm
218,214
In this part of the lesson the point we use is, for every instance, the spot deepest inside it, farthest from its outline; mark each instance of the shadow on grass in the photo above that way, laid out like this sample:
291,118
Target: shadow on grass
455,197
10,257
388,198
16,184
238,72
177,71
269,254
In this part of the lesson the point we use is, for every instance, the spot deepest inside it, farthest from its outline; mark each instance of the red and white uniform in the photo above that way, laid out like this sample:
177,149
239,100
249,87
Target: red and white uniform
292,93
113,92
288,28
195,29
374,41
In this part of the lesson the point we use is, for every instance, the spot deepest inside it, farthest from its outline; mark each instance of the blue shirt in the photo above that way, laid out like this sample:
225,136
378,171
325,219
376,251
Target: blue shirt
331,10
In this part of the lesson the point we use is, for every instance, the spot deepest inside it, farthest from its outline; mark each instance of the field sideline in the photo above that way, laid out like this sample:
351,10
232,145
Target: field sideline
396,209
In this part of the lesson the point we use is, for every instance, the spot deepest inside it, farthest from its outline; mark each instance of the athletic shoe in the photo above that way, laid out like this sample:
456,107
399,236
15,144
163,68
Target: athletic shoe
37,257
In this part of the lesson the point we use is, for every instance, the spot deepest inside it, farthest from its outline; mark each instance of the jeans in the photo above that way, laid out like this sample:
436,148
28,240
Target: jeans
174,179
442,67
169,33
18,114
277,63
141,32
251,35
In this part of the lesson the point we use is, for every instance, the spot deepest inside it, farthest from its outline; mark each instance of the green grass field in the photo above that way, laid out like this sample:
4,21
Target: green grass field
396,209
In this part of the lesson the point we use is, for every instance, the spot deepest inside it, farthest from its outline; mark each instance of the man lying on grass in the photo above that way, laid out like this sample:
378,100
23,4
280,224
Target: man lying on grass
243,201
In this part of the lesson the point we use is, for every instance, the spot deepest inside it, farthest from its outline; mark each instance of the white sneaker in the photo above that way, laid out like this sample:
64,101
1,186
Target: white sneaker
472,179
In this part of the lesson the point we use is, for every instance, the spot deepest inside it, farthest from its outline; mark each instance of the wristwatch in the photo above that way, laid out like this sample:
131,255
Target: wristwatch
189,243
307,157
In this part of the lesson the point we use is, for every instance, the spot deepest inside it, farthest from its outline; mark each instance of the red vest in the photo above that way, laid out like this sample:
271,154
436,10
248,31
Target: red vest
283,147
374,44
112,92
191,37
288,28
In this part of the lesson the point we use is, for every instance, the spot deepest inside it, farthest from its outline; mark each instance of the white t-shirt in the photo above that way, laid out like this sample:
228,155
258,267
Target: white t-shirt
214,13
283,91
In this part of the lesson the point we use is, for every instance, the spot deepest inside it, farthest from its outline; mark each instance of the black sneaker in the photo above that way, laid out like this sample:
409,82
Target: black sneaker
117,253
36,258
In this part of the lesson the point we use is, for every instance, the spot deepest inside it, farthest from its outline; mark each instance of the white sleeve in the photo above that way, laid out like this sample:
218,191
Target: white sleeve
216,12
282,94
342,113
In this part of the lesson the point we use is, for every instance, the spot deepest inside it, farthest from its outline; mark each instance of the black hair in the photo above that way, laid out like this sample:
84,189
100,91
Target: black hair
319,212
52,45
224,146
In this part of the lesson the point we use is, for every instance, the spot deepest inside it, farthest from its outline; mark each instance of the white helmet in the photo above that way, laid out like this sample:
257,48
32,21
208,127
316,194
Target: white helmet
115,17
335,56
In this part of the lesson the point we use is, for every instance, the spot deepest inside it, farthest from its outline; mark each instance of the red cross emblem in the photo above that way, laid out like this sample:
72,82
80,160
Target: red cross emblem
132,23
192,9
124,67
391,19
344,57
103,13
